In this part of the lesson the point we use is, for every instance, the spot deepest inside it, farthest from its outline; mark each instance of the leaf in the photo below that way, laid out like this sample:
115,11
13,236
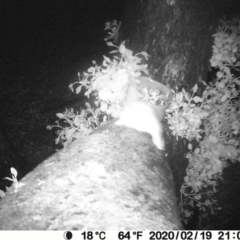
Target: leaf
110,44
214,63
233,59
88,104
78,89
208,202
190,146
186,95
14,172
227,71
197,99
128,52
70,132
82,113
107,59
237,81
187,213
218,57
91,69
60,115
221,85
213,139
197,197
198,204
104,107
105,118
2,194
77,121
97,111
144,54
186,179
71,86
197,151
195,88
114,51
122,49
198,183
232,151
107,26
204,83
224,98
10,179
179,97
237,64
219,74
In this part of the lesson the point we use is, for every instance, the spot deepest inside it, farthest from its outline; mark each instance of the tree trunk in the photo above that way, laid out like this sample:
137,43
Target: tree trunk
113,179
177,34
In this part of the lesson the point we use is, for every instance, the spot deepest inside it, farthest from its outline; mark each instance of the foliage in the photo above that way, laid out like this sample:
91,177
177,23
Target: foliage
107,84
185,115
214,116
226,51
14,174
211,119
113,32
72,124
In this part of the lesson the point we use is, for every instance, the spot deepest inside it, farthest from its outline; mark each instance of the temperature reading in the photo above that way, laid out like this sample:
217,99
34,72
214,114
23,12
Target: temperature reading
127,235
90,235
138,234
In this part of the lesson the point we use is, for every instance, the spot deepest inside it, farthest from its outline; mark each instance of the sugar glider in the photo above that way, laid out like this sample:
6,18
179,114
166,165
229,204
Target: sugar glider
140,116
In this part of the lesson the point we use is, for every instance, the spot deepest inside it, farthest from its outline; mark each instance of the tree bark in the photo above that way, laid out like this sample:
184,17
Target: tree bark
177,35
113,179
178,38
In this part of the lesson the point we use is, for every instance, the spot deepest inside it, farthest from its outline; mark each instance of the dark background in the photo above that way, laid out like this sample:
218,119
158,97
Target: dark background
52,35
44,44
